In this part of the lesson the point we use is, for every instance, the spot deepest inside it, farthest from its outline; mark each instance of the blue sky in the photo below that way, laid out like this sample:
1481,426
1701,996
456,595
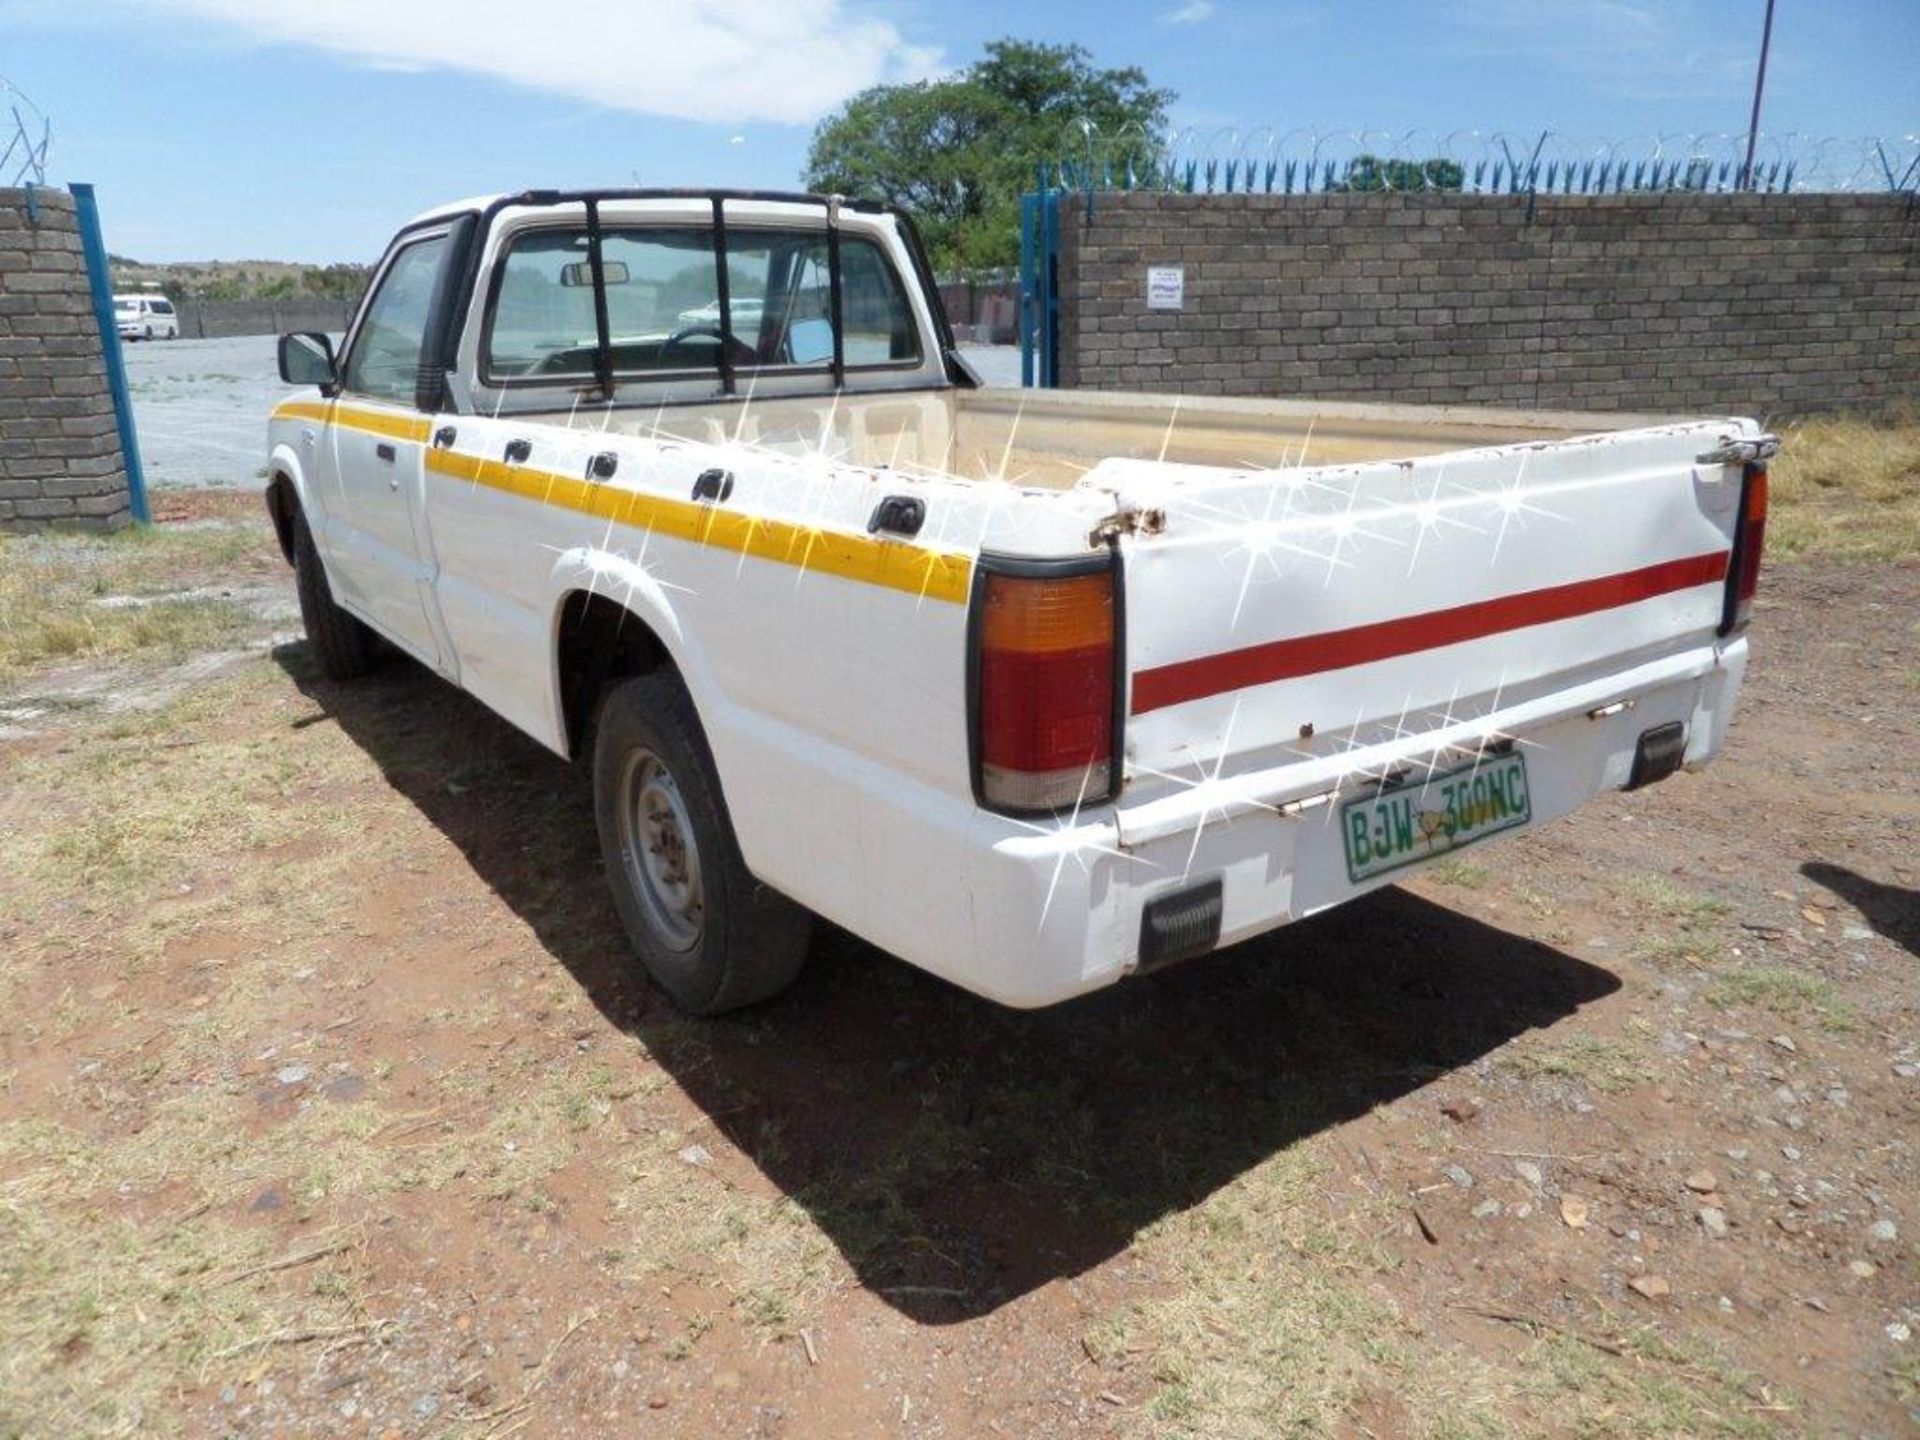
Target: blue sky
308,129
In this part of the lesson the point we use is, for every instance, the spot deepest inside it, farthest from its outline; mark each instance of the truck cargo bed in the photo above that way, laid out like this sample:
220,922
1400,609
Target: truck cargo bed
1049,439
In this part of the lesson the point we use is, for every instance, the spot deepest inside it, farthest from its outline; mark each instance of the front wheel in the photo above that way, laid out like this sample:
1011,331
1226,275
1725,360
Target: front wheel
711,935
342,645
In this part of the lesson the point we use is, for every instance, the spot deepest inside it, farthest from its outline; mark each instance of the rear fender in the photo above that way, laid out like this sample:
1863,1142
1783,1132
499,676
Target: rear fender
627,582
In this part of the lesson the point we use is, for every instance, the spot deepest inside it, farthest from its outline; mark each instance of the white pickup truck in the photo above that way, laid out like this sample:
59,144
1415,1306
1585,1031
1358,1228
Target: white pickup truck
1033,689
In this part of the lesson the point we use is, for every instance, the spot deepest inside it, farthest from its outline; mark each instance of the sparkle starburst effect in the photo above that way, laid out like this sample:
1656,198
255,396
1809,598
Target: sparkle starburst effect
1074,843
1277,526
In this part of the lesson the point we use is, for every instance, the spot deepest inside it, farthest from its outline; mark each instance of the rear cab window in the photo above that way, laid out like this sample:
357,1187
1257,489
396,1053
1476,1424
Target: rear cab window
664,314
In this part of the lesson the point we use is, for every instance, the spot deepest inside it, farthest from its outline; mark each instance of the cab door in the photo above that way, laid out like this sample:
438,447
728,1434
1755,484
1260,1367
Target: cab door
371,468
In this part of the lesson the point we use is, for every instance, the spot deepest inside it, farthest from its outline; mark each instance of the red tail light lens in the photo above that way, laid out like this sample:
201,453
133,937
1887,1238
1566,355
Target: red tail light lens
1743,575
1044,733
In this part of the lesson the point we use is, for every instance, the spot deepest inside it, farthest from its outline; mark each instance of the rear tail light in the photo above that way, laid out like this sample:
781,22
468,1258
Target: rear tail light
1045,717
1743,566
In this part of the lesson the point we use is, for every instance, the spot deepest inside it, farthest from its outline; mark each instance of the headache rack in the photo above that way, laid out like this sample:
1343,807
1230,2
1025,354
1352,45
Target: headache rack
441,357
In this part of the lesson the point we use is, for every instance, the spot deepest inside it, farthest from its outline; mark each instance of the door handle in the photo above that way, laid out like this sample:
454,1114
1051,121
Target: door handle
384,451
898,515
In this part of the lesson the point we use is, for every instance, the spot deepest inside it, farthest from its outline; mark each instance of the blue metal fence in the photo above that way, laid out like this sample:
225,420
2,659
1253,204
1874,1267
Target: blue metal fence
1040,285
1300,162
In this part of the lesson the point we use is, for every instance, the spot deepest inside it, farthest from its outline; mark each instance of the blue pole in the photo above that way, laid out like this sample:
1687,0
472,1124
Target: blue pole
1049,217
101,284
1027,290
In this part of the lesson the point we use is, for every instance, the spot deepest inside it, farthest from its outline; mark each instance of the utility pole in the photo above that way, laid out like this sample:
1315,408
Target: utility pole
1759,89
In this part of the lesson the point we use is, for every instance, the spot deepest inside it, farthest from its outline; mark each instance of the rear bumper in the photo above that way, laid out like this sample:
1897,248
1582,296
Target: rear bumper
1057,908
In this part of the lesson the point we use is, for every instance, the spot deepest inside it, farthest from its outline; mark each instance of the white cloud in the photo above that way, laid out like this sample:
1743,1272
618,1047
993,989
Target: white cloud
786,61
1191,13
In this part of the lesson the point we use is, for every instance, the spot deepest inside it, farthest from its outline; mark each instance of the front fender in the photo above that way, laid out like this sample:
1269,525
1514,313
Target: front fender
284,468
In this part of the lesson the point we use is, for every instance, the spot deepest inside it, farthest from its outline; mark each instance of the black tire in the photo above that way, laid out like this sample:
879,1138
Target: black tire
342,645
746,942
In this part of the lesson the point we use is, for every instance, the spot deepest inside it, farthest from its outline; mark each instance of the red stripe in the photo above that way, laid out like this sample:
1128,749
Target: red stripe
1337,649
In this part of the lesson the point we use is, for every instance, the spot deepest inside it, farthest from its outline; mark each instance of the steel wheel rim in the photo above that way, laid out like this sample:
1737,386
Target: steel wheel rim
662,857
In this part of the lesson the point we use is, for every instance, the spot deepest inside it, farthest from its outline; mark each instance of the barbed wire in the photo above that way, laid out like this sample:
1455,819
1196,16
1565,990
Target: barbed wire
1263,160
26,135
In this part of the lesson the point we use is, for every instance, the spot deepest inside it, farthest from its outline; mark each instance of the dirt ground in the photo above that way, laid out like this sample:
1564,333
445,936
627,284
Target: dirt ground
330,1104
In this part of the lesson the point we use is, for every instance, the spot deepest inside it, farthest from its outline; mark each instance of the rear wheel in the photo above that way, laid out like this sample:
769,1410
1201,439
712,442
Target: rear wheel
711,935
342,645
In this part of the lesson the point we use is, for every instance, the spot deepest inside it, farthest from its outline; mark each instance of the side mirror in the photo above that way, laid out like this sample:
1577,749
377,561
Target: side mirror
810,342
307,359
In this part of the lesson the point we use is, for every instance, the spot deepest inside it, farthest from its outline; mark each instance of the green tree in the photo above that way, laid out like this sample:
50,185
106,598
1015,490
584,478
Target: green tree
1370,173
958,153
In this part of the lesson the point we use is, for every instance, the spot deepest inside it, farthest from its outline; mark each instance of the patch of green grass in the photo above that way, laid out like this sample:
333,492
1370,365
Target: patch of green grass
1676,902
1464,874
1683,945
1785,990
1604,1065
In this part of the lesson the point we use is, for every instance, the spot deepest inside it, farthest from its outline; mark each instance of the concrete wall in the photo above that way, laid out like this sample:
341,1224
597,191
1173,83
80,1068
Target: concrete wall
983,312
1755,304
60,461
203,319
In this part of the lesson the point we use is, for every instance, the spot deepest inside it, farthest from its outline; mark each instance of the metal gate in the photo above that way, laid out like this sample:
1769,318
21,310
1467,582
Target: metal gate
1040,286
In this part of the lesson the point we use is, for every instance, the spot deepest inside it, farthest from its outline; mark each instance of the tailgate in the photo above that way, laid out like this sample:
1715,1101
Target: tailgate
1300,613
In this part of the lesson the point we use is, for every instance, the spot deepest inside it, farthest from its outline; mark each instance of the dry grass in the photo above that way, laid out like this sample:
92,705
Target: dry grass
82,596
1848,489
1604,1065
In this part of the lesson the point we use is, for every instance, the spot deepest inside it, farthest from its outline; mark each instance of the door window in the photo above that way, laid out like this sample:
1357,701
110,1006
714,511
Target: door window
385,360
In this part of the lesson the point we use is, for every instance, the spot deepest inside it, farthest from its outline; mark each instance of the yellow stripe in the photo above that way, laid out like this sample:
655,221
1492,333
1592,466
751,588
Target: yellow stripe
356,417
935,574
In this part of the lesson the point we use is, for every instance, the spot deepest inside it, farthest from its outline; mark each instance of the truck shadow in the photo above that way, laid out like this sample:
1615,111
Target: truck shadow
960,1155
1891,910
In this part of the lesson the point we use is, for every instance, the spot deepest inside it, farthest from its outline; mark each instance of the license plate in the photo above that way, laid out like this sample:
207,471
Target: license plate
1435,815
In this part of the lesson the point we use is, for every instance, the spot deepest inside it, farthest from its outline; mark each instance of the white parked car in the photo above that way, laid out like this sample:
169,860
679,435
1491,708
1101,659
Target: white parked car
145,317
1033,689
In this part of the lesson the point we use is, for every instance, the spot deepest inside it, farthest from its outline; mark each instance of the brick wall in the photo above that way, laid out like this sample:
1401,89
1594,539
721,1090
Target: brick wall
60,461
1756,304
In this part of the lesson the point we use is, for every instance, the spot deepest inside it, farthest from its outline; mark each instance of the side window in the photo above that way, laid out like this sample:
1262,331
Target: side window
663,304
874,309
163,307
385,360
793,324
